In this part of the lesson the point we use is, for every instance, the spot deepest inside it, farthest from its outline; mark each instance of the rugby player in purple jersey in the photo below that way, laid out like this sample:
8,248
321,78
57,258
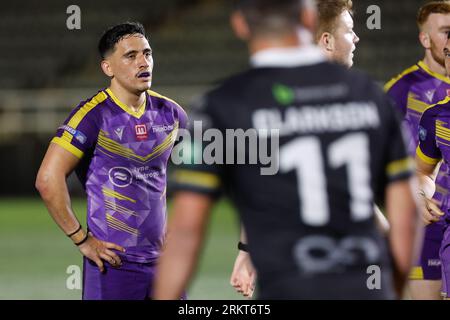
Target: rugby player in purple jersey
412,92
118,142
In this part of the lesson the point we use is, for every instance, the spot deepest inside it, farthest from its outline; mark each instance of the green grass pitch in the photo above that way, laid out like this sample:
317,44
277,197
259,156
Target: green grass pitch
36,254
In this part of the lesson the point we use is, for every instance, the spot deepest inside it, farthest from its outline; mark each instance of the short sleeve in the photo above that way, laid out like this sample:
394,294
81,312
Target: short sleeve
398,164
427,149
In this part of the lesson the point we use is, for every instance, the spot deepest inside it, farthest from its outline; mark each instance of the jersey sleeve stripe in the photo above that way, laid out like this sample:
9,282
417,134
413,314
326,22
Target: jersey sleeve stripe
416,273
393,81
425,158
443,101
68,146
399,166
84,110
197,179
67,136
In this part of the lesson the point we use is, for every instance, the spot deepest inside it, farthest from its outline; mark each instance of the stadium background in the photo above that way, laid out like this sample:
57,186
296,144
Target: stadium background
46,69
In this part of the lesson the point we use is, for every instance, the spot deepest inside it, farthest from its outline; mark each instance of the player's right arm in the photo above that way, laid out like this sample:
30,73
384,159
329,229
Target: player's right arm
51,183
187,228
77,136
399,196
404,229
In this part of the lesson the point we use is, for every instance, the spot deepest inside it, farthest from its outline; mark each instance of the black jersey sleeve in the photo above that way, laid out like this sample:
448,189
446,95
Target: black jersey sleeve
198,172
398,163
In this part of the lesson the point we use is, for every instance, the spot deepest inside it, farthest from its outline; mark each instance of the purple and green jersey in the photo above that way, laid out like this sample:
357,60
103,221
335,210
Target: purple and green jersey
123,161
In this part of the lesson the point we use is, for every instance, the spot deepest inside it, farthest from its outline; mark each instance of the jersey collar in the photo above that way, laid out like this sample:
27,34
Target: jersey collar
127,109
287,57
425,68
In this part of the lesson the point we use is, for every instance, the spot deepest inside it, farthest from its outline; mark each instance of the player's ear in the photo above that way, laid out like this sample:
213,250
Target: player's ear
326,41
239,25
424,38
106,67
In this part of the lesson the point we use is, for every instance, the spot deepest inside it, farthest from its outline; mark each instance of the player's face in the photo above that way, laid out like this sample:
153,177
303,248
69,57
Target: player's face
132,63
437,27
447,57
345,40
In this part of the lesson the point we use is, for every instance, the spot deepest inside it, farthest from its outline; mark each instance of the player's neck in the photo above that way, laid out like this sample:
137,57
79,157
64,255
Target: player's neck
433,65
262,43
132,100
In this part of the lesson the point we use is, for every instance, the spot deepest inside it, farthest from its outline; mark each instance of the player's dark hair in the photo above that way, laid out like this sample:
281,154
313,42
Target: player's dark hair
116,33
269,16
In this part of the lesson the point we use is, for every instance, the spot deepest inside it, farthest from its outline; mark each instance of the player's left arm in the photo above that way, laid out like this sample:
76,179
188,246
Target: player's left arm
429,208
243,276
186,232
428,156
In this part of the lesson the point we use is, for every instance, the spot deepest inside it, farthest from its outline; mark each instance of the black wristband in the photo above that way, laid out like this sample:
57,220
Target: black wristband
75,232
242,246
82,241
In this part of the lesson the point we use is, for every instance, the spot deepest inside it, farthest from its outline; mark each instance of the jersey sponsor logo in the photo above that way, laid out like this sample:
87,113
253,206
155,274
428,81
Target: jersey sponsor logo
283,94
141,131
120,176
162,128
119,132
286,95
430,95
78,135
434,262
422,133
145,173
322,254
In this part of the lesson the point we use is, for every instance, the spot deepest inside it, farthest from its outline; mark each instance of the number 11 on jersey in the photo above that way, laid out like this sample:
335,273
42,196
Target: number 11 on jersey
305,156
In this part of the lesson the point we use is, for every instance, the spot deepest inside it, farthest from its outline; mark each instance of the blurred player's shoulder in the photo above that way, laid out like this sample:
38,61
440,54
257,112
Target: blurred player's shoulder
166,100
406,75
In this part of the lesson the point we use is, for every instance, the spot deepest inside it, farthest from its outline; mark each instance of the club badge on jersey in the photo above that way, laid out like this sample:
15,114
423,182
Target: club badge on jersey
422,133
